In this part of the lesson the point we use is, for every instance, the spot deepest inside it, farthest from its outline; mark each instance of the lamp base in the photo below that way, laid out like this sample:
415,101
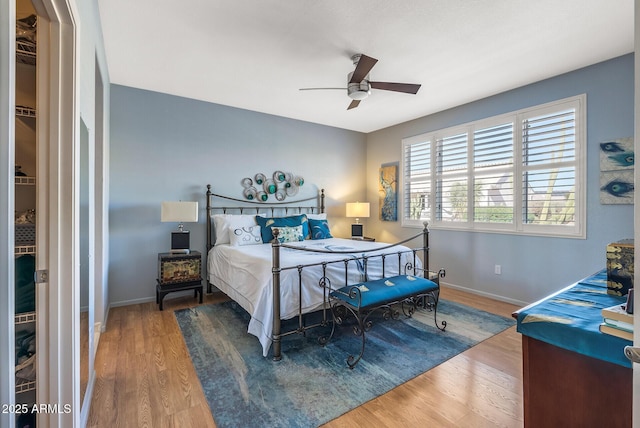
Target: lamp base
180,242
180,251
357,231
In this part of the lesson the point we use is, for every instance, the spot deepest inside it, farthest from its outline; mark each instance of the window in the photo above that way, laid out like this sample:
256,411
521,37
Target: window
522,172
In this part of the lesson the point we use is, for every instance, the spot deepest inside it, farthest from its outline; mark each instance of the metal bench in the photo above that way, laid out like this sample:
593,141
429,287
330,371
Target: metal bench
363,299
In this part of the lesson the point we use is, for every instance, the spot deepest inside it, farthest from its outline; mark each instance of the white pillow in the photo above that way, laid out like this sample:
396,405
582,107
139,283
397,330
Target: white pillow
322,216
247,235
224,224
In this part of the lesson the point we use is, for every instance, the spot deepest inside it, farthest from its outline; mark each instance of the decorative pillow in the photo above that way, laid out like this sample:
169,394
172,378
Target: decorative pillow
290,234
319,229
322,216
267,223
225,224
247,235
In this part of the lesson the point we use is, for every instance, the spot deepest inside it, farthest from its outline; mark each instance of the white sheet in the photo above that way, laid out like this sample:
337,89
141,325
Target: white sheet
244,274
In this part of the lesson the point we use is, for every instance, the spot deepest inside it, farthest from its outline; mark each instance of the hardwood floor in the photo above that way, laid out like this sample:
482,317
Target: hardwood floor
144,378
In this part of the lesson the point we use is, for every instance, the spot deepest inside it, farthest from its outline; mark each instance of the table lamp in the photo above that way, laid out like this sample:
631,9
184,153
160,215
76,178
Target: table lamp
180,212
357,210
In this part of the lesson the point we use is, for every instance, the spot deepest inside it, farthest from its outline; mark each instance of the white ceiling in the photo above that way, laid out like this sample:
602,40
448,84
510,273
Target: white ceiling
256,54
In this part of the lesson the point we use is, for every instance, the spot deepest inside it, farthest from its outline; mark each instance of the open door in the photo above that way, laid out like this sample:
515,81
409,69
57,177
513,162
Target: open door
56,213
636,226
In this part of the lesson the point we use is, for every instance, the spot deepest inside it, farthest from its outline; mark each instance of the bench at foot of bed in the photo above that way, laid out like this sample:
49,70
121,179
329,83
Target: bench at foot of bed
387,294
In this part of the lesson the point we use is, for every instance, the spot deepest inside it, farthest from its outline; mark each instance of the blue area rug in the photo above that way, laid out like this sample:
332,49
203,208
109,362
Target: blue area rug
312,384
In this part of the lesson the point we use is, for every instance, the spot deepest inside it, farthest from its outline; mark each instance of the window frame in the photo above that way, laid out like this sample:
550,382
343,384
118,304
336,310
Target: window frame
518,226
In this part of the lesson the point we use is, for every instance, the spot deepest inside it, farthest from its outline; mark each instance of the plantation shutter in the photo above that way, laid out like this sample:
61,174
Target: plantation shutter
549,168
452,199
521,172
493,174
417,180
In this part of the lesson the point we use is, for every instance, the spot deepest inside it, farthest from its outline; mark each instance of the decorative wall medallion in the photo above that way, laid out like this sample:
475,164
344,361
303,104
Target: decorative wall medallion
280,185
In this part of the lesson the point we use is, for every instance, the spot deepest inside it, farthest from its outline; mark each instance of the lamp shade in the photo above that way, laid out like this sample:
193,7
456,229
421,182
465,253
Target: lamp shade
358,209
183,212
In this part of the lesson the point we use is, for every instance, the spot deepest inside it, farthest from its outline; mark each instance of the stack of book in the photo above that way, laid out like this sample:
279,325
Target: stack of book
617,322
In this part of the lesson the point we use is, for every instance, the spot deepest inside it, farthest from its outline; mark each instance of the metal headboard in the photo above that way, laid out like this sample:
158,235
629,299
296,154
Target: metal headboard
297,206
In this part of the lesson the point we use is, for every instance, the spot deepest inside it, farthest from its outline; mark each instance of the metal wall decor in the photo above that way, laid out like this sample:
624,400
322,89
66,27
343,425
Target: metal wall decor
280,185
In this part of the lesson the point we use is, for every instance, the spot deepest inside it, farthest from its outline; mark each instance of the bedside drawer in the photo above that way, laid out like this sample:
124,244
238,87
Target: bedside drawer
179,268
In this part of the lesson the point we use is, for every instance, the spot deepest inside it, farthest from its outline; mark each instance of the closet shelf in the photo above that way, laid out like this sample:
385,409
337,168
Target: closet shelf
25,318
24,180
25,386
22,111
20,250
25,52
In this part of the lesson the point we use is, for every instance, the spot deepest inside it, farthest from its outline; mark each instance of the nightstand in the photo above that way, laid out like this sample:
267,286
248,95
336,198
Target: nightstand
178,272
365,238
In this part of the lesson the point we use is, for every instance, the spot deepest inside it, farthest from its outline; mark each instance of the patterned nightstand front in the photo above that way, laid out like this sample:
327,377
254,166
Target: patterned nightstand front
178,272
178,268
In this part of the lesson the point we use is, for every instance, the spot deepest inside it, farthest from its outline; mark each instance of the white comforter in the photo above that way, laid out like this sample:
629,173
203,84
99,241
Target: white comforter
244,274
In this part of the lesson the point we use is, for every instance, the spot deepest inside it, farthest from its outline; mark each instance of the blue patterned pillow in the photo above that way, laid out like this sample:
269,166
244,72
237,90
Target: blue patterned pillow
268,223
319,229
290,234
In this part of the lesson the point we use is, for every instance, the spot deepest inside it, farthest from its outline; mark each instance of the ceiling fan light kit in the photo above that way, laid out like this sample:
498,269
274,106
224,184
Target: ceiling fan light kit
359,86
358,91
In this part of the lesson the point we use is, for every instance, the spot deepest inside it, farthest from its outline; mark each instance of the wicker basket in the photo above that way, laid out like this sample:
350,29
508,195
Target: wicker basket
25,234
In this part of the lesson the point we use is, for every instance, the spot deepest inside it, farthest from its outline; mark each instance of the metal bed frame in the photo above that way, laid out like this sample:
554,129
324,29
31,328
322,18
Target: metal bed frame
313,205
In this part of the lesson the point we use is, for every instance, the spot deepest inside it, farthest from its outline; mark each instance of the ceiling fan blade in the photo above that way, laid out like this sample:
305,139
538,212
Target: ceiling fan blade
353,104
408,88
365,64
321,89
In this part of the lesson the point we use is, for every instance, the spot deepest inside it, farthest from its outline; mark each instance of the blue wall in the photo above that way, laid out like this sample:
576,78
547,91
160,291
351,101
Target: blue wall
168,148
532,267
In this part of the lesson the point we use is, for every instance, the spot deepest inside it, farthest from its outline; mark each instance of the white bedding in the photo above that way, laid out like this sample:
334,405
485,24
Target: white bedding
244,274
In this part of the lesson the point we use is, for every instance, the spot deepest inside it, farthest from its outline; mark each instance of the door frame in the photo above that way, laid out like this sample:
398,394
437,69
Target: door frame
7,196
58,325
636,210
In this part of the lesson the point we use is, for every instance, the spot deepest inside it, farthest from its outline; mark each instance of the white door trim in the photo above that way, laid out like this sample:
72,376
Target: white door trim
636,211
7,161
58,324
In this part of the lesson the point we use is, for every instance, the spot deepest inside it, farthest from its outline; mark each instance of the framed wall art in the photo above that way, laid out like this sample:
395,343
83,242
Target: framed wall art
617,161
388,191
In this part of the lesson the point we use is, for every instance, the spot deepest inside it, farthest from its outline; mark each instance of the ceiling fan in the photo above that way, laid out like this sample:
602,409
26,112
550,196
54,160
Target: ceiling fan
359,86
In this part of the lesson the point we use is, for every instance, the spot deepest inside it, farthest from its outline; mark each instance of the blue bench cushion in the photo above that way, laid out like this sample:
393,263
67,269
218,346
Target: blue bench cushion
385,290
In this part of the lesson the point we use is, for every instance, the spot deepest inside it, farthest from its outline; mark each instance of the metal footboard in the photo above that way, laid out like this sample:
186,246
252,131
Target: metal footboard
410,267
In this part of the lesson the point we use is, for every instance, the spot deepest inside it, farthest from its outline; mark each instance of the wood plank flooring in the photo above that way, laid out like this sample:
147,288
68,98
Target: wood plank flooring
144,378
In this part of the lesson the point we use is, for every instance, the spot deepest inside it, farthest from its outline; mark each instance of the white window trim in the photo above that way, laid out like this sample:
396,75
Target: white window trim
578,230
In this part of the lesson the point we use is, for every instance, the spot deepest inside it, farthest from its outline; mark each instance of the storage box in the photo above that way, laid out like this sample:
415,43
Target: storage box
25,234
179,268
620,267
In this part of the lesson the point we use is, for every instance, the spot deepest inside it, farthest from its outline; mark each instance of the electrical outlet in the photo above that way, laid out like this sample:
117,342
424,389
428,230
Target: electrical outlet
497,270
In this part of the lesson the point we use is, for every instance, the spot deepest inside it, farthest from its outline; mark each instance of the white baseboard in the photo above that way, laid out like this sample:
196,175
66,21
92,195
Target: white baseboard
97,329
169,296
132,302
484,294
103,326
86,401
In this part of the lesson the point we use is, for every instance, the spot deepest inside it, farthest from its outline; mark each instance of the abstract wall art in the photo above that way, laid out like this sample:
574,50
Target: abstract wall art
388,191
617,159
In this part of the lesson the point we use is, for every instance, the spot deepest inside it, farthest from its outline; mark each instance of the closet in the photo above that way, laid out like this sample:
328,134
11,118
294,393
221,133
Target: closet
25,211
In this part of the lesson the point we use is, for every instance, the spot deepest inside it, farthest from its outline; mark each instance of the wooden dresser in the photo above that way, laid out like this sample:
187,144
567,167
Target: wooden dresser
573,375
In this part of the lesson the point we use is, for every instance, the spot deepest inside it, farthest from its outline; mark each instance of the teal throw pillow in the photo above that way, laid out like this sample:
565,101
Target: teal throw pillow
267,224
319,229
